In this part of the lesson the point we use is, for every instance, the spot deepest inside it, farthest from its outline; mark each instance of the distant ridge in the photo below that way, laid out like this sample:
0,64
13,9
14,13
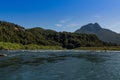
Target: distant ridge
103,34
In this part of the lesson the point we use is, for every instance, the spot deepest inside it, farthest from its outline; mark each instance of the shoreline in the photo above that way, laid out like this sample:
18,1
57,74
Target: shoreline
16,46
66,50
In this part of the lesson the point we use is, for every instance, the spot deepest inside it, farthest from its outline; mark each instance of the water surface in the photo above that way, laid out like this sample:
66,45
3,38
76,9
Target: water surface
60,65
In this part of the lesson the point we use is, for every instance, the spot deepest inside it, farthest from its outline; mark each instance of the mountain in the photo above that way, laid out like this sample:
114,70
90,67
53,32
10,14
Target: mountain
103,34
10,32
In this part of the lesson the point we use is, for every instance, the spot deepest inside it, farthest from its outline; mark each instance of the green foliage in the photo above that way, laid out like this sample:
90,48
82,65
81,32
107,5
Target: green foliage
16,46
17,37
10,46
34,47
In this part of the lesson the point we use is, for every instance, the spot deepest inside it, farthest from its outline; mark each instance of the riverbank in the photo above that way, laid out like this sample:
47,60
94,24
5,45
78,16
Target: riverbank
16,46
116,48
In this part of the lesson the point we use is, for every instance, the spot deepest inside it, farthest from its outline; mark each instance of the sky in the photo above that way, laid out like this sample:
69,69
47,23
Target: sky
61,15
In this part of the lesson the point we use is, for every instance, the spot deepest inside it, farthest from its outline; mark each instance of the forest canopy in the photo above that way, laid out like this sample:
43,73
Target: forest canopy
10,32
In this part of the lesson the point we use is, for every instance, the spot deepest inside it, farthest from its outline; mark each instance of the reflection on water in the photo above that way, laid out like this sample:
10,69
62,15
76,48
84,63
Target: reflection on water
92,57
59,65
52,57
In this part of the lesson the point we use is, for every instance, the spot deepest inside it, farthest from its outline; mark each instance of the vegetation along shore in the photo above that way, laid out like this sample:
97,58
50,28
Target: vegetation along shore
15,37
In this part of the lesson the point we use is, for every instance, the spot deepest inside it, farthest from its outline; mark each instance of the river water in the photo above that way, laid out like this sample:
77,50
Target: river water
60,65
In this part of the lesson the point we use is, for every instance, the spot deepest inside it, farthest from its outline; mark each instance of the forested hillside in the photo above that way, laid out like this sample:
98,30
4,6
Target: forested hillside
10,32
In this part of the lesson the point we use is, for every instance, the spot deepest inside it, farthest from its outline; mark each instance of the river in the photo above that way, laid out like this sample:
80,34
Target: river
60,65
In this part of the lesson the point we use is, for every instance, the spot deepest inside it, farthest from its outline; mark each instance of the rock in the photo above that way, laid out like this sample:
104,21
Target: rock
2,55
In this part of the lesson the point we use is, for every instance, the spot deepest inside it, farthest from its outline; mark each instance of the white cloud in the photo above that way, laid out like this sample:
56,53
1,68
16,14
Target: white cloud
58,25
96,16
64,21
73,25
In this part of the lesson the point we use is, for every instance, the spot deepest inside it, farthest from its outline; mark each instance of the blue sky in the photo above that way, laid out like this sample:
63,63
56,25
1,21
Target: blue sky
61,15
